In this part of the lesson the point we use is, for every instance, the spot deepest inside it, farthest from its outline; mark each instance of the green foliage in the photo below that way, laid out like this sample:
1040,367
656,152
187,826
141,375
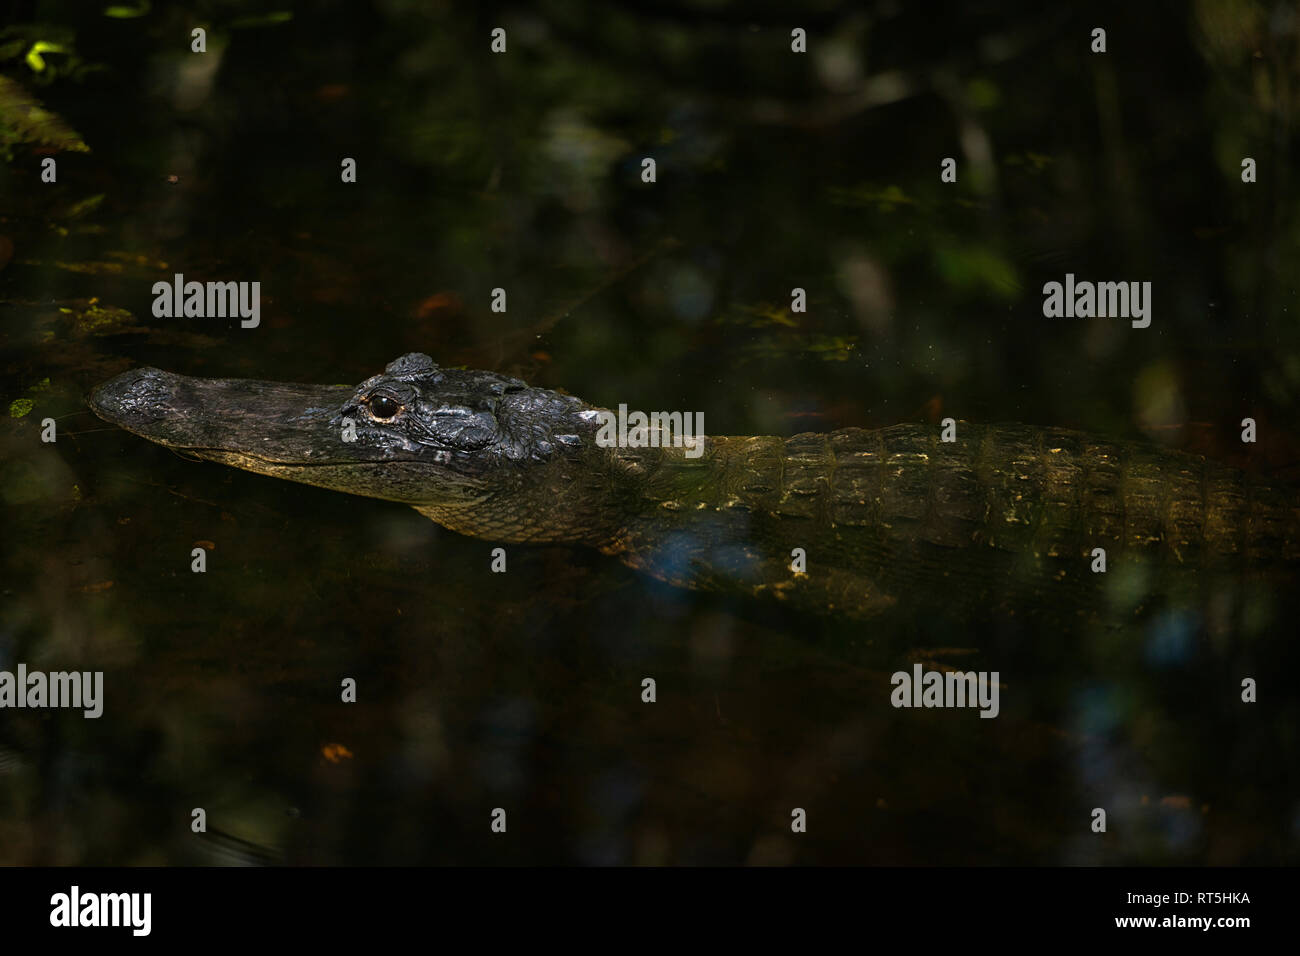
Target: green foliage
44,53
35,56
23,120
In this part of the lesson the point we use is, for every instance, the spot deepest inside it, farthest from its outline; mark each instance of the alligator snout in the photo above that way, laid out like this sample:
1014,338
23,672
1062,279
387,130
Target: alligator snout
278,421
138,397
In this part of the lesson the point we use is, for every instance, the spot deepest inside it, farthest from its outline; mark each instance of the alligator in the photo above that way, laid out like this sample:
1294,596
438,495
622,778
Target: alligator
849,522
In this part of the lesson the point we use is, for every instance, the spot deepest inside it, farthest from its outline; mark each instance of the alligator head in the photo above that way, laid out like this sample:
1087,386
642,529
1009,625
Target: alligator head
436,438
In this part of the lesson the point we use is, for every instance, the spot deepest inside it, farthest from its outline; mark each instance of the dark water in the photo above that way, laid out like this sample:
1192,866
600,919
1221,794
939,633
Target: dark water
774,170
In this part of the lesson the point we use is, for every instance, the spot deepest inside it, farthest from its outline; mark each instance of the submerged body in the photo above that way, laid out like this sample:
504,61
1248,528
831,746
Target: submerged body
1007,515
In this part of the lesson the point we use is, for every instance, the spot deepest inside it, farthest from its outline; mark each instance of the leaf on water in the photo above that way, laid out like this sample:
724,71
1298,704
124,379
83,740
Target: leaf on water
335,752
103,320
1034,162
24,120
89,317
833,348
826,348
885,200
85,268
262,20
758,316
133,258
123,12
98,586
22,406
89,204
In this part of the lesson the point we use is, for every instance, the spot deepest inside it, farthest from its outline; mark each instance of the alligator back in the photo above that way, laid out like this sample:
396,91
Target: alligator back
1008,515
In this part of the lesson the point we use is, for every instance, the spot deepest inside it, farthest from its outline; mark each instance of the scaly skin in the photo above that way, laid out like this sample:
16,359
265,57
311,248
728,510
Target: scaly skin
1005,516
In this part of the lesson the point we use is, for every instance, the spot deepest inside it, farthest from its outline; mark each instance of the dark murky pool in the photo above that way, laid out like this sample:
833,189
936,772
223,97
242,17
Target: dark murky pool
775,170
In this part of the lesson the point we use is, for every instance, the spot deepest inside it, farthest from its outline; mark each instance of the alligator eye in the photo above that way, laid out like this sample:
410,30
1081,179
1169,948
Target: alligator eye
382,407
